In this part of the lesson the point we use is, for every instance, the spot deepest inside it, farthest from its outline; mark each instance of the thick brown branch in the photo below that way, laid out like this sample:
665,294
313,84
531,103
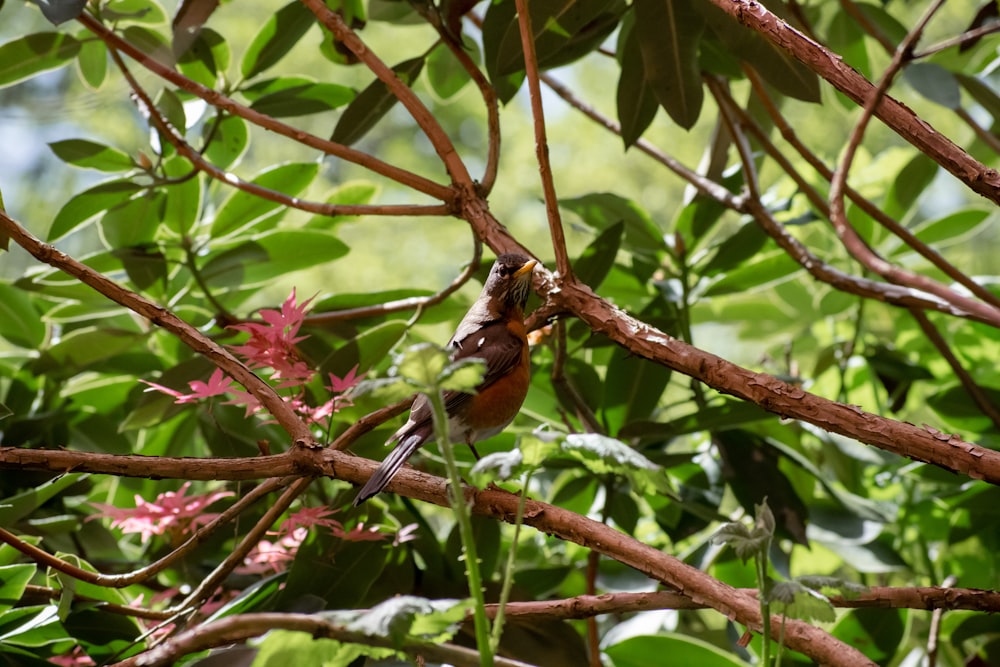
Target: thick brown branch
977,176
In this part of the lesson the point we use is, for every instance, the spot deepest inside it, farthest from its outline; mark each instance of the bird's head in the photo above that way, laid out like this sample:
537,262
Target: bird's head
509,282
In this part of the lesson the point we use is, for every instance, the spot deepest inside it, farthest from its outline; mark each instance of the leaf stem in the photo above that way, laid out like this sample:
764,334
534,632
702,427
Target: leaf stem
462,516
508,571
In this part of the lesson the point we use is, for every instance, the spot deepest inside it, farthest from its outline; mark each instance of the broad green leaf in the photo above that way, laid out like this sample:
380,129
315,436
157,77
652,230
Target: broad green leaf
227,140
728,414
422,364
137,11
27,56
20,321
955,406
303,99
637,103
564,31
84,153
604,209
292,250
846,37
135,222
92,61
183,197
285,647
33,627
982,92
911,182
17,507
649,651
256,597
150,42
669,32
632,389
408,616
593,265
242,209
351,193
227,268
145,265
207,59
796,601
84,207
87,347
445,74
13,580
952,227
935,83
280,33
336,571
877,633
746,242
778,68
365,350
765,269
60,11
372,104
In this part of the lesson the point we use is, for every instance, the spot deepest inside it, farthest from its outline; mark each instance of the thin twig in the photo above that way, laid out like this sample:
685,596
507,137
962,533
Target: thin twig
400,305
417,110
958,40
964,377
854,244
166,129
563,265
220,101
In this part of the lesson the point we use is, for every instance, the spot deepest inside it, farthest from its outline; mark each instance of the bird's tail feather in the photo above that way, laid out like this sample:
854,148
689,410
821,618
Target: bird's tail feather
389,467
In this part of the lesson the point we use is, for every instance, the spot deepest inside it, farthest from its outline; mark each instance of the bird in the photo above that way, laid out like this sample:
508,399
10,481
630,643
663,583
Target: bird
493,330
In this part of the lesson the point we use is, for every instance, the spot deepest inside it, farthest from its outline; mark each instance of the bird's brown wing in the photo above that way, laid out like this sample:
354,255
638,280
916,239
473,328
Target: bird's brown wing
495,344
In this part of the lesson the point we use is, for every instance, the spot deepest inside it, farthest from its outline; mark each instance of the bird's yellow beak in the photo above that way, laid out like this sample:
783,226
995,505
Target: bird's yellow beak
526,269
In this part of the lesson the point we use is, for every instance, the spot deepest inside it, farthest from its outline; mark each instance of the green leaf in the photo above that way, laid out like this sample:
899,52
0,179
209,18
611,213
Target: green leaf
207,59
13,580
302,99
935,83
406,616
595,262
135,222
93,62
778,68
27,56
636,100
84,207
351,193
366,349
952,227
728,414
982,92
20,321
445,74
285,647
60,11
227,140
280,33
145,265
649,651
256,597
564,31
796,601
373,103
669,32
632,389
86,347
84,153
422,365
954,405
17,507
291,250
764,269
242,209
227,268
911,182
182,205
877,633
746,242
602,210
138,11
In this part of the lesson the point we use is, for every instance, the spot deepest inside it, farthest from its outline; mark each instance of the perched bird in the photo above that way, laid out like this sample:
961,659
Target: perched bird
492,330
